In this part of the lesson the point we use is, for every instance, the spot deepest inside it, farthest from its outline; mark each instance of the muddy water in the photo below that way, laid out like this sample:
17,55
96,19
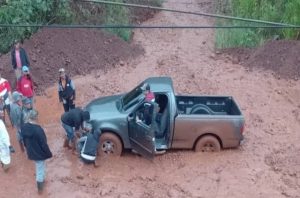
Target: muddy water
266,165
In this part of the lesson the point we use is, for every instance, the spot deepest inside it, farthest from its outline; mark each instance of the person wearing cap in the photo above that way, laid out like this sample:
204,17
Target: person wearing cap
18,59
26,108
25,84
66,90
16,116
73,119
37,149
5,96
87,145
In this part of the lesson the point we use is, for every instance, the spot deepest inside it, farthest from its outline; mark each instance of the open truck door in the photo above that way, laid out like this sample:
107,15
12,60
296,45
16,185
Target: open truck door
142,129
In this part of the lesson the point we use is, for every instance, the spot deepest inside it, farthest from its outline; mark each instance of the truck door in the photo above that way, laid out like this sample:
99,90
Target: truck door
141,129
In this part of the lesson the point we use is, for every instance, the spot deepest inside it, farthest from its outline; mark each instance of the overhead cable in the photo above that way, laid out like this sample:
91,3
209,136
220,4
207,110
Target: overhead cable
188,12
145,26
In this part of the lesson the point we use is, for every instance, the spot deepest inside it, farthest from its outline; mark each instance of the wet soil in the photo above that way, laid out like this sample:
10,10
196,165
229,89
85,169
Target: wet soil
279,56
79,51
265,165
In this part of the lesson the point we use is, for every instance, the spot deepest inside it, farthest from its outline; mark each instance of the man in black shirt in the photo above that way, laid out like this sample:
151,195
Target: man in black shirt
73,119
35,142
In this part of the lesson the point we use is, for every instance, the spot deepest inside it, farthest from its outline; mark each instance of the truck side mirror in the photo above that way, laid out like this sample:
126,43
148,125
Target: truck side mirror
130,117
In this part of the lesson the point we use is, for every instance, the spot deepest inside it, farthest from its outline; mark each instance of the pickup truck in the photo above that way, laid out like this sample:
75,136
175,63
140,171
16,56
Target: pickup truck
202,123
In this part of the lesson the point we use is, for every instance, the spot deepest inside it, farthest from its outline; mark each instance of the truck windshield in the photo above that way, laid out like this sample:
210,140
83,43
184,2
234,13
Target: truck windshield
129,98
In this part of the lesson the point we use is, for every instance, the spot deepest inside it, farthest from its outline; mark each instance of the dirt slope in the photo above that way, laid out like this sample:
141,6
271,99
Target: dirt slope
79,51
280,57
266,165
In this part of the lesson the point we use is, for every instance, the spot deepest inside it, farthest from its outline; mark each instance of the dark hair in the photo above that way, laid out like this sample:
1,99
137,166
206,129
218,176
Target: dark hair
148,87
85,115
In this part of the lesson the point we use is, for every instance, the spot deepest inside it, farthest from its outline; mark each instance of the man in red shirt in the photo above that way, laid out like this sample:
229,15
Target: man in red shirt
25,84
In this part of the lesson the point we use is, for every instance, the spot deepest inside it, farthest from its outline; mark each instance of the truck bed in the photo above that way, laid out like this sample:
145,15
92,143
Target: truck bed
207,105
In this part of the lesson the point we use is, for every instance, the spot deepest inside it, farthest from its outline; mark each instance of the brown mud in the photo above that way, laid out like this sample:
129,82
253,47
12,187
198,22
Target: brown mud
265,165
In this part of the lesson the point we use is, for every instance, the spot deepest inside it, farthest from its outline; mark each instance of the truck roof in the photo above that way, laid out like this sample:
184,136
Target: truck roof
160,84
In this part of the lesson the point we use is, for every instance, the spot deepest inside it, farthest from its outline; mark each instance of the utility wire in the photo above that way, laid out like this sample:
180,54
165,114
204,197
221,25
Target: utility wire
144,26
188,12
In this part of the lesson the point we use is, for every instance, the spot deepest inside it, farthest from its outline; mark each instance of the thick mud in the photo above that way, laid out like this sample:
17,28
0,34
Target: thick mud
266,165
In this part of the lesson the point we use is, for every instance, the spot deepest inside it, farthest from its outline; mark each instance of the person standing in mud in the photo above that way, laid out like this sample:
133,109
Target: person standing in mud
37,149
66,90
5,96
25,85
74,118
18,59
16,116
27,107
5,147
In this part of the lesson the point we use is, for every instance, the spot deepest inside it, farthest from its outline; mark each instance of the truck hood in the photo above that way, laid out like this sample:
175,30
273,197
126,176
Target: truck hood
104,107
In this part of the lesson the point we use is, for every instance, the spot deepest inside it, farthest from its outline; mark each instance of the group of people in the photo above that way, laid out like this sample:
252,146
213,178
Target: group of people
19,106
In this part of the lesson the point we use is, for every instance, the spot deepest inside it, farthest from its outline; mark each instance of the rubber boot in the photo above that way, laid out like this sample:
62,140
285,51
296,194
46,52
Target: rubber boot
22,146
66,143
40,187
73,146
5,167
12,149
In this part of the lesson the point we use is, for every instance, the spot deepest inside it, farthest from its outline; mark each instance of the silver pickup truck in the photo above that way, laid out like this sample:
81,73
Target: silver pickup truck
202,123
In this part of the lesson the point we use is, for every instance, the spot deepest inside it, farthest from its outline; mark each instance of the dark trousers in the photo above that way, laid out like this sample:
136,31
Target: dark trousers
69,105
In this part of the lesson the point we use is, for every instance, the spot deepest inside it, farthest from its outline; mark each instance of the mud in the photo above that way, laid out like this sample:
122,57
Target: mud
79,51
265,165
278,56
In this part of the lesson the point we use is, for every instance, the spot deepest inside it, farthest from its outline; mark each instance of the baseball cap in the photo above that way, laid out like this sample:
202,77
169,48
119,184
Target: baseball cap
61,70
25,68
16,96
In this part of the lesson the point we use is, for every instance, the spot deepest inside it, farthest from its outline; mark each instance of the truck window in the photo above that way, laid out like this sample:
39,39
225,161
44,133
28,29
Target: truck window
131,96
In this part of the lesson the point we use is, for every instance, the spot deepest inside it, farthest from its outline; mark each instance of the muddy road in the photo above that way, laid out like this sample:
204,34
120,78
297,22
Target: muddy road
266,165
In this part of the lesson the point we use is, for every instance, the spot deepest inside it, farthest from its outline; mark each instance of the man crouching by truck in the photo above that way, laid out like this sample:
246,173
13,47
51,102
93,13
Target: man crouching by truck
74,118
88,144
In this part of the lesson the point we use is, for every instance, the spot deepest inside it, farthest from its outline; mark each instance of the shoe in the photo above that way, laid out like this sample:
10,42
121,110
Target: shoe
40,187
5,167
66,143
11,149
22,147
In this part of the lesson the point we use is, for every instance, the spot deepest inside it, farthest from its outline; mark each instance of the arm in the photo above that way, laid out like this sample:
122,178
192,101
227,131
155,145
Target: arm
13,59
43,143
60,93
26,58
73,87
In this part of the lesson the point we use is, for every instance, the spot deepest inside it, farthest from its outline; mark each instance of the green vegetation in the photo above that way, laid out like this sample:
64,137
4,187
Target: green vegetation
28,12
62,12
118,15
283,11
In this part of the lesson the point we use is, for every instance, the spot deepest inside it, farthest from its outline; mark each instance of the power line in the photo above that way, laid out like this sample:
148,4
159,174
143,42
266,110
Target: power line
188,12
144,26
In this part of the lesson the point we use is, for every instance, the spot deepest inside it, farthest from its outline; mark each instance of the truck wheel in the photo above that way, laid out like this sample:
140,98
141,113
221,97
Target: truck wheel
110,145
208,143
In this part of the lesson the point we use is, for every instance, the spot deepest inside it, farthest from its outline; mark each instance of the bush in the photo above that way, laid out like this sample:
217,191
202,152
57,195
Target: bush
118,15
28,12
282,11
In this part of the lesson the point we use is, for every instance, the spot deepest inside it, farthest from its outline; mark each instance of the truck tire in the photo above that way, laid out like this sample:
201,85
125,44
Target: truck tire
208,143
110,145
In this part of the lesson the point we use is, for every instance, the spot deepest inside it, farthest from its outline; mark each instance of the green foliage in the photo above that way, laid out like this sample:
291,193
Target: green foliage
118,15
282,11
27,12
